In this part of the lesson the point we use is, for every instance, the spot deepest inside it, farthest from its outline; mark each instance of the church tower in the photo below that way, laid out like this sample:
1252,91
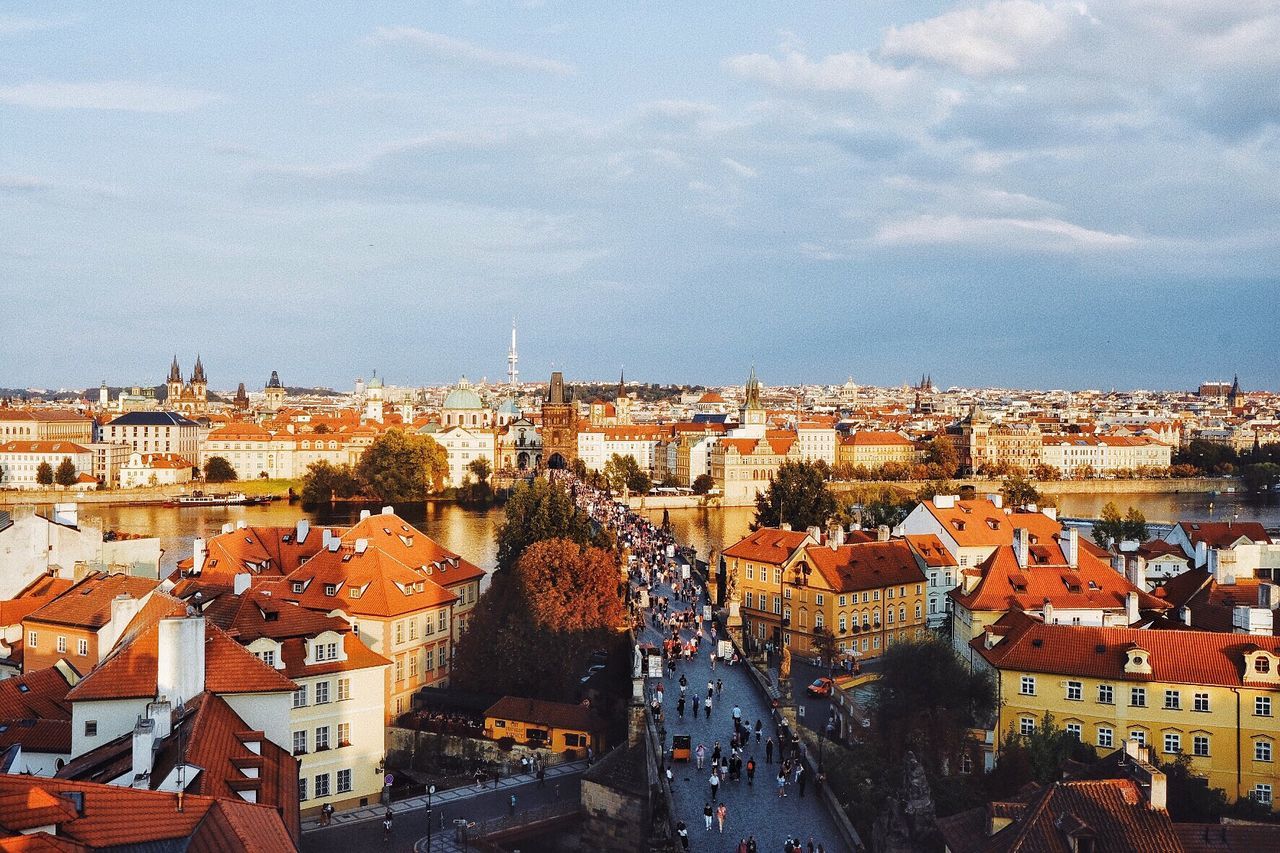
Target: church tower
104,396
621,402
174,383
559,426
1235,397
752,415
373,399
199,386
274,392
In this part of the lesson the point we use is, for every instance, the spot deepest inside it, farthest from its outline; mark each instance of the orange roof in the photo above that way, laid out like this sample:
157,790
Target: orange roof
866,565
388,532
35,595
1223,534
130,671
1176,657
372,583
1091,585
979,523
931,550
867,438
768,545
87,604
263,551
711,397
542,712
40,694
42,447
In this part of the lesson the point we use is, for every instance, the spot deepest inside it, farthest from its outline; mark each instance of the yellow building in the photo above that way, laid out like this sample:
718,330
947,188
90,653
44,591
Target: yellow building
554,726
1210,696
869,595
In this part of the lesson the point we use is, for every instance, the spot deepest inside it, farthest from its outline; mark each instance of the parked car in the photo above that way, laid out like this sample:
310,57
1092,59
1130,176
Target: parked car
820,687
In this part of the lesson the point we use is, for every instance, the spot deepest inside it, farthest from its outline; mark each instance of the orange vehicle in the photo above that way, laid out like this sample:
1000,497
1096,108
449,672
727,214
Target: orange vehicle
680,748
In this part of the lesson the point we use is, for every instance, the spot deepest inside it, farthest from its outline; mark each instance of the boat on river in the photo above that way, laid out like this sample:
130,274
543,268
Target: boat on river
198,498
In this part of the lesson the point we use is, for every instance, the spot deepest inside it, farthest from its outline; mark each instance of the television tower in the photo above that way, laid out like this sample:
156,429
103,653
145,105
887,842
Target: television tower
512,359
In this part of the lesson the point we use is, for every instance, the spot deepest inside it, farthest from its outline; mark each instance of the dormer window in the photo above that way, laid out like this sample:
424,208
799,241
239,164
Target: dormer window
1262,664
1137,661
354,592
299,586
331,589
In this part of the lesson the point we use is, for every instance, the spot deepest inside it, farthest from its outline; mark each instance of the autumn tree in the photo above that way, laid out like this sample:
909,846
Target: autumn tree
400,467
66,473
824,645
1110,526
44,474
703,483
624,470
480,468
532,631
218,470
541,510
798,495
1018,491
940,455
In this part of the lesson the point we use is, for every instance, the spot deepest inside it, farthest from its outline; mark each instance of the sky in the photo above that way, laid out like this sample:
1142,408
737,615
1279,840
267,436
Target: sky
1010,193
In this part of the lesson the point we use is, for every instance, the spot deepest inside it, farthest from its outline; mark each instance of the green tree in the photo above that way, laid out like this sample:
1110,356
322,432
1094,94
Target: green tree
824,645
1190,799
703,483
625,471
928,701
941,455
1135,525
44,474
798,495
1018,491
537,511
481,468
400,467
324,481
1109,526
322,429
218,470
1038,756
66,473
1260,476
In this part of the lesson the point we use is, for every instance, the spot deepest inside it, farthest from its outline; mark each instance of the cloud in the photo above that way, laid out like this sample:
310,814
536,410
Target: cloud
998,38
739,168
11,25
15,184
458,50
839,72
1045,234
123,95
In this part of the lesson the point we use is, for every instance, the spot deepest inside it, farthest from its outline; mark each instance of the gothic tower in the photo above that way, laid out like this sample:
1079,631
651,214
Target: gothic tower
199,385
559,426
174,383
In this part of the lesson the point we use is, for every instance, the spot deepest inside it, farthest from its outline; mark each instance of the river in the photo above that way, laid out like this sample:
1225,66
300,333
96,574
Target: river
470,532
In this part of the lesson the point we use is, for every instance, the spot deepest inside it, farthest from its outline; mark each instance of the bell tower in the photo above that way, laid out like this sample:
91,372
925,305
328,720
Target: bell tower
559,426
174,383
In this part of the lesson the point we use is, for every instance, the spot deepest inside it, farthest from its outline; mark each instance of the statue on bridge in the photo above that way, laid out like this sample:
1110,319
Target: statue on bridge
784,668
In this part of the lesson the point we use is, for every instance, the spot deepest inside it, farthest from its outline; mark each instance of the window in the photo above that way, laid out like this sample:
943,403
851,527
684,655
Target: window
344,781
751,572
1138,736
844,623
31,639
300,697
300,743
1262,706
1200,702
1261,793
751,599
322,740
786,593
1075,691
1172,743
322,692
1106,694
442,620
1105,737
888,593
302,789
1028,685
413,629
344,689
1026,725
1172,700
90,728
399,669
1261,664
268,657
843,601
777,604
1138,697
1262,750
1200,745
62,645
344,734
875,595
399,632
1074,730
820,599
82,647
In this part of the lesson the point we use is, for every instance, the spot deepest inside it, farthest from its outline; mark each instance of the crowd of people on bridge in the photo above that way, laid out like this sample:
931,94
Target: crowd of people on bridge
667,598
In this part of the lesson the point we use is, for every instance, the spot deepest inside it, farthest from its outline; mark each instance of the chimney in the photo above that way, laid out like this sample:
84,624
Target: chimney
325,536
1131,607
835,535
1050,511
364,513
1073,548
1267,597
944,501
1158,790
1022,546
123,608
228,527
362,545
180,659
334,543
144,738
786,525
1186,616
241,582
241,524
198,553
161,713
388,510
1047,609
815,532
65,514
1138,572
997,499
882,533
1202,554
304,527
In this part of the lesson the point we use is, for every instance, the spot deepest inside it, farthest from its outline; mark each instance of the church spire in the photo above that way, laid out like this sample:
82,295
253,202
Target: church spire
197,374
622,384
175,372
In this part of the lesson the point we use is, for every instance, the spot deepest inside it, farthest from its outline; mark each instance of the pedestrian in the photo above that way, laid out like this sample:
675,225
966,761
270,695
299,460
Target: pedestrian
742,846
386,826
715,782
497,774
800,777
512,804
542,776
701,751
721,813
719,687
737,718
706,708
768,751
798,769
683,832
696,706
326,814
706,815
752,847
711,688
759,728
751,771
715,754
670,777
782,784
680,707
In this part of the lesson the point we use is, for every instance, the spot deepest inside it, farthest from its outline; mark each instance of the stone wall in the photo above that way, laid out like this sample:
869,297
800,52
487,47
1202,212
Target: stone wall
615,821
1070,487
408,748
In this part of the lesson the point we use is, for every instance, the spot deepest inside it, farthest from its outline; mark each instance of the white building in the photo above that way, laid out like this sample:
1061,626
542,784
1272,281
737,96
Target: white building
816,442
464,445
20,461
597,445
155,432
1073,454
154,469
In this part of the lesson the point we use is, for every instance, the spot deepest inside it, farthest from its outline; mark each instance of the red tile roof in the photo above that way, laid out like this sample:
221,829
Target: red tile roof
392,534
35,595
542,712
1223,534
980,523
931,550
1176,657
866,565
87,604
768,545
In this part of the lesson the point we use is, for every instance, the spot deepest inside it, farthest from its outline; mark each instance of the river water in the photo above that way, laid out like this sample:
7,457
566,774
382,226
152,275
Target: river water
471,532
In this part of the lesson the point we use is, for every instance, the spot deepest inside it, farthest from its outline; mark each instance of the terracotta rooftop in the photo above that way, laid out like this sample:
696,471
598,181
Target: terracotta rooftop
87,604
866,565
553,714
35,595
767,545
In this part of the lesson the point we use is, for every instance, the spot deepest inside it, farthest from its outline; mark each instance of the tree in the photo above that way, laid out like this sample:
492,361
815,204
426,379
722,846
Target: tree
324,481
1135,525
1191,800
540,621
66,473
1047,473
218,470
941,454
703,483
824,644
537,511
1018,491
797,495
929,700
400,467
1109,526
44,474
1037,757
322,429
481,468
622,471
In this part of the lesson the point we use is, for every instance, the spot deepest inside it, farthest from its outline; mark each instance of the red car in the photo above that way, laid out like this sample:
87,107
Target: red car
820,687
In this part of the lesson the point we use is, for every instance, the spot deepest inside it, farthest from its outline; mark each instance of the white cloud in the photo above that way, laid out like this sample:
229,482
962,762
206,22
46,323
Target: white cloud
459,50
839,72
739,168
998,38
124,95
11,25
1042,234
22,183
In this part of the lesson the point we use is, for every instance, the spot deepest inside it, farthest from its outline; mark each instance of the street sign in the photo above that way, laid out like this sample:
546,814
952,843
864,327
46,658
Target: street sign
655,666
389,780
684,571
799,710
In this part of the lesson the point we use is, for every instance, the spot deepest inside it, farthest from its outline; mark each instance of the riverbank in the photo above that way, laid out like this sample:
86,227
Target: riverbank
1188,485
149,496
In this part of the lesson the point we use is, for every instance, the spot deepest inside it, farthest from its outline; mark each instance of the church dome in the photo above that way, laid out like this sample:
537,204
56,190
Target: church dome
509,408
463,397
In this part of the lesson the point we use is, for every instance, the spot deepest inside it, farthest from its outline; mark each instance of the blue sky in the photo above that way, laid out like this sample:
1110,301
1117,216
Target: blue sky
1017,193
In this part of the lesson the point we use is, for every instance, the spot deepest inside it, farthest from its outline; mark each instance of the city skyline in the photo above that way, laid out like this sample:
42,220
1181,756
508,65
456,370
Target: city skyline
1026,194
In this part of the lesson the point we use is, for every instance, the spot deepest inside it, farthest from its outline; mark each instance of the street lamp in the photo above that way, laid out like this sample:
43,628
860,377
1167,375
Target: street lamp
431,789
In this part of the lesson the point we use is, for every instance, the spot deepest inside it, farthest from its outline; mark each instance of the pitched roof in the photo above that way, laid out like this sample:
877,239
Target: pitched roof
1176,657
866,565
392,534
87,604
1223,534
768,545
368,583
38,695
33,596
42,447
554,714
871,438
1228,837
931,550
980,523
152,419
